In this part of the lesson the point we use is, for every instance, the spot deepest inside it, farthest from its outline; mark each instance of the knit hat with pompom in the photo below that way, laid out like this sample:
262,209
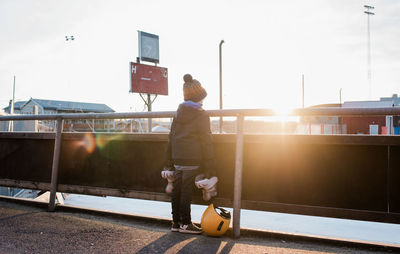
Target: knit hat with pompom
192,89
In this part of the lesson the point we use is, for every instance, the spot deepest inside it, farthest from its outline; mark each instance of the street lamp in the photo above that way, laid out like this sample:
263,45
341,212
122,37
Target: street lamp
11,110
220,84
302,90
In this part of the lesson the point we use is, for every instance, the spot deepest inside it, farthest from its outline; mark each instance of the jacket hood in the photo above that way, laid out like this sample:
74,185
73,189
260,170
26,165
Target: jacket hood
188,111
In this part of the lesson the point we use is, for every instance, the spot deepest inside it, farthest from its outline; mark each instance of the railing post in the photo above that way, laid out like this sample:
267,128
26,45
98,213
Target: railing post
237,191
54,169
388,183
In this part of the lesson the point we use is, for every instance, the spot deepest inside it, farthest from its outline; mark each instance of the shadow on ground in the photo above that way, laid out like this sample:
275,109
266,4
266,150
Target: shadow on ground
181,243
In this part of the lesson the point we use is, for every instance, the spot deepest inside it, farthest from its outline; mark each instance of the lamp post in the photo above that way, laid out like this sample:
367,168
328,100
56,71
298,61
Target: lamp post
369,13
220,84
340,118
302,90
11,110
69,39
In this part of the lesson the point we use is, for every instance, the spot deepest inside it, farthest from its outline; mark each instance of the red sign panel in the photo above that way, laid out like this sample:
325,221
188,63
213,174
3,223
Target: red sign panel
148,79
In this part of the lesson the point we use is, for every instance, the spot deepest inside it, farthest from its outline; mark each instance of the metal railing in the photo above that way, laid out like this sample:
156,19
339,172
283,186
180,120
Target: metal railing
327,111
240,115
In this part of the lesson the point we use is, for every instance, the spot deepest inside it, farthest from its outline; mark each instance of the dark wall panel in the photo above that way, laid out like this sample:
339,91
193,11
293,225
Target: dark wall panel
120,163
26,159
340,176
309,171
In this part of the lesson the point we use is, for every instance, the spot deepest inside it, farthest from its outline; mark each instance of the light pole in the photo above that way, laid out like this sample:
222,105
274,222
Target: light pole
369,72
340,118
220,84
11,123
302,90
69,39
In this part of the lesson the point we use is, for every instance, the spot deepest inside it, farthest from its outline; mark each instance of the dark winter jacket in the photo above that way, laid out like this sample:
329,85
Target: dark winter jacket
190,141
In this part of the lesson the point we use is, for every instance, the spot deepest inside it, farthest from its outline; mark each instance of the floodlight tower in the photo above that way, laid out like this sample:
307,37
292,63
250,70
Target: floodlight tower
69,38
368,11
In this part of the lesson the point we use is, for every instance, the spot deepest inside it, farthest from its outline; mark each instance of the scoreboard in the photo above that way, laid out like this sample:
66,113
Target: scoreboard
148,79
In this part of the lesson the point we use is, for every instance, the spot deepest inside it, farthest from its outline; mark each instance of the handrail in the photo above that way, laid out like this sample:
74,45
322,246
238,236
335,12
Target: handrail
240,115
323,111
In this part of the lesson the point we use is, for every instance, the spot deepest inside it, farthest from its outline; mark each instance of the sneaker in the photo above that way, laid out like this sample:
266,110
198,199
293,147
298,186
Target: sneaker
175,227
190,229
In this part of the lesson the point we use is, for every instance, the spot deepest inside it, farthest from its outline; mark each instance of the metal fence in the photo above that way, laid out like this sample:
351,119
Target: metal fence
239,114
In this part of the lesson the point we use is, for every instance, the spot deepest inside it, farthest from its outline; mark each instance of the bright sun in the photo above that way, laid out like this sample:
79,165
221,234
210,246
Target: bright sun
283,114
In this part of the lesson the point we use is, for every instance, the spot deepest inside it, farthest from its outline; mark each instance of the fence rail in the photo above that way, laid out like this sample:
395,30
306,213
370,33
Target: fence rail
327,111
240,114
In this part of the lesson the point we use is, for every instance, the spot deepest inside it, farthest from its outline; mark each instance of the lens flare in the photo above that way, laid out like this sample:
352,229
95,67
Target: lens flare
101,141
92,141
88,142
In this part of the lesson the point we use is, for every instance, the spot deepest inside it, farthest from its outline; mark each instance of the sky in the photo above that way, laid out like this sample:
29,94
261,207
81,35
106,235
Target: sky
268,46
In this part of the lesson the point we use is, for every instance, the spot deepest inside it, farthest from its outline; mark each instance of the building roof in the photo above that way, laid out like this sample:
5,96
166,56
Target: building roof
17,105
330,105
66,106
367,104
384,102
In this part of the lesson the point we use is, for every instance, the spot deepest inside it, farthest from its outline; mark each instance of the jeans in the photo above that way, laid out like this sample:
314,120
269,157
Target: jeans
182,194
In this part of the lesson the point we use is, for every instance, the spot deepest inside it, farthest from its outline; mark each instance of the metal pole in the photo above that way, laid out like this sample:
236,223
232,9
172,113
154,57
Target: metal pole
369,74
11,126
56,159
13,101
302,90
36,122
340,118
369,58
220,84
149,109
391,125
131,126
388,178
237,191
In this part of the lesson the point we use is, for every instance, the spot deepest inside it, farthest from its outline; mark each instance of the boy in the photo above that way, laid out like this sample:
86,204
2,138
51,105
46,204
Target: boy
189,149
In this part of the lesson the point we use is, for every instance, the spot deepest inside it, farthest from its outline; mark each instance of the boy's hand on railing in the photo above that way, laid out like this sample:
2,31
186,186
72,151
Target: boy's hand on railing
207,185
167,173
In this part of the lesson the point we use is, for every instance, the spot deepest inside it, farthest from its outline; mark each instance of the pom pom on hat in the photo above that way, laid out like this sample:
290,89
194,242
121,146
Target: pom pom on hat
187,78
192,89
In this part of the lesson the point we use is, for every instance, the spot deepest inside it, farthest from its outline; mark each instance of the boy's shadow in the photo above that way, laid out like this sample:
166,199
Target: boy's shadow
200,244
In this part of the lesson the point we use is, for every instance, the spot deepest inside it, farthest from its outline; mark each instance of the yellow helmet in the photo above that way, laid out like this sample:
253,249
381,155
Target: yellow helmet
215,223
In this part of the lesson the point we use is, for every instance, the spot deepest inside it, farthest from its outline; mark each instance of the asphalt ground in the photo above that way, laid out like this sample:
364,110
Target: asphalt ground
27,227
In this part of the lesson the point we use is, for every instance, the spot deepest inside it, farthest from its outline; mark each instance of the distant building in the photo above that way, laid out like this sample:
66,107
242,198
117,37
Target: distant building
373,124
17,107
57,107
3,124
328,125
39,106
384,102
